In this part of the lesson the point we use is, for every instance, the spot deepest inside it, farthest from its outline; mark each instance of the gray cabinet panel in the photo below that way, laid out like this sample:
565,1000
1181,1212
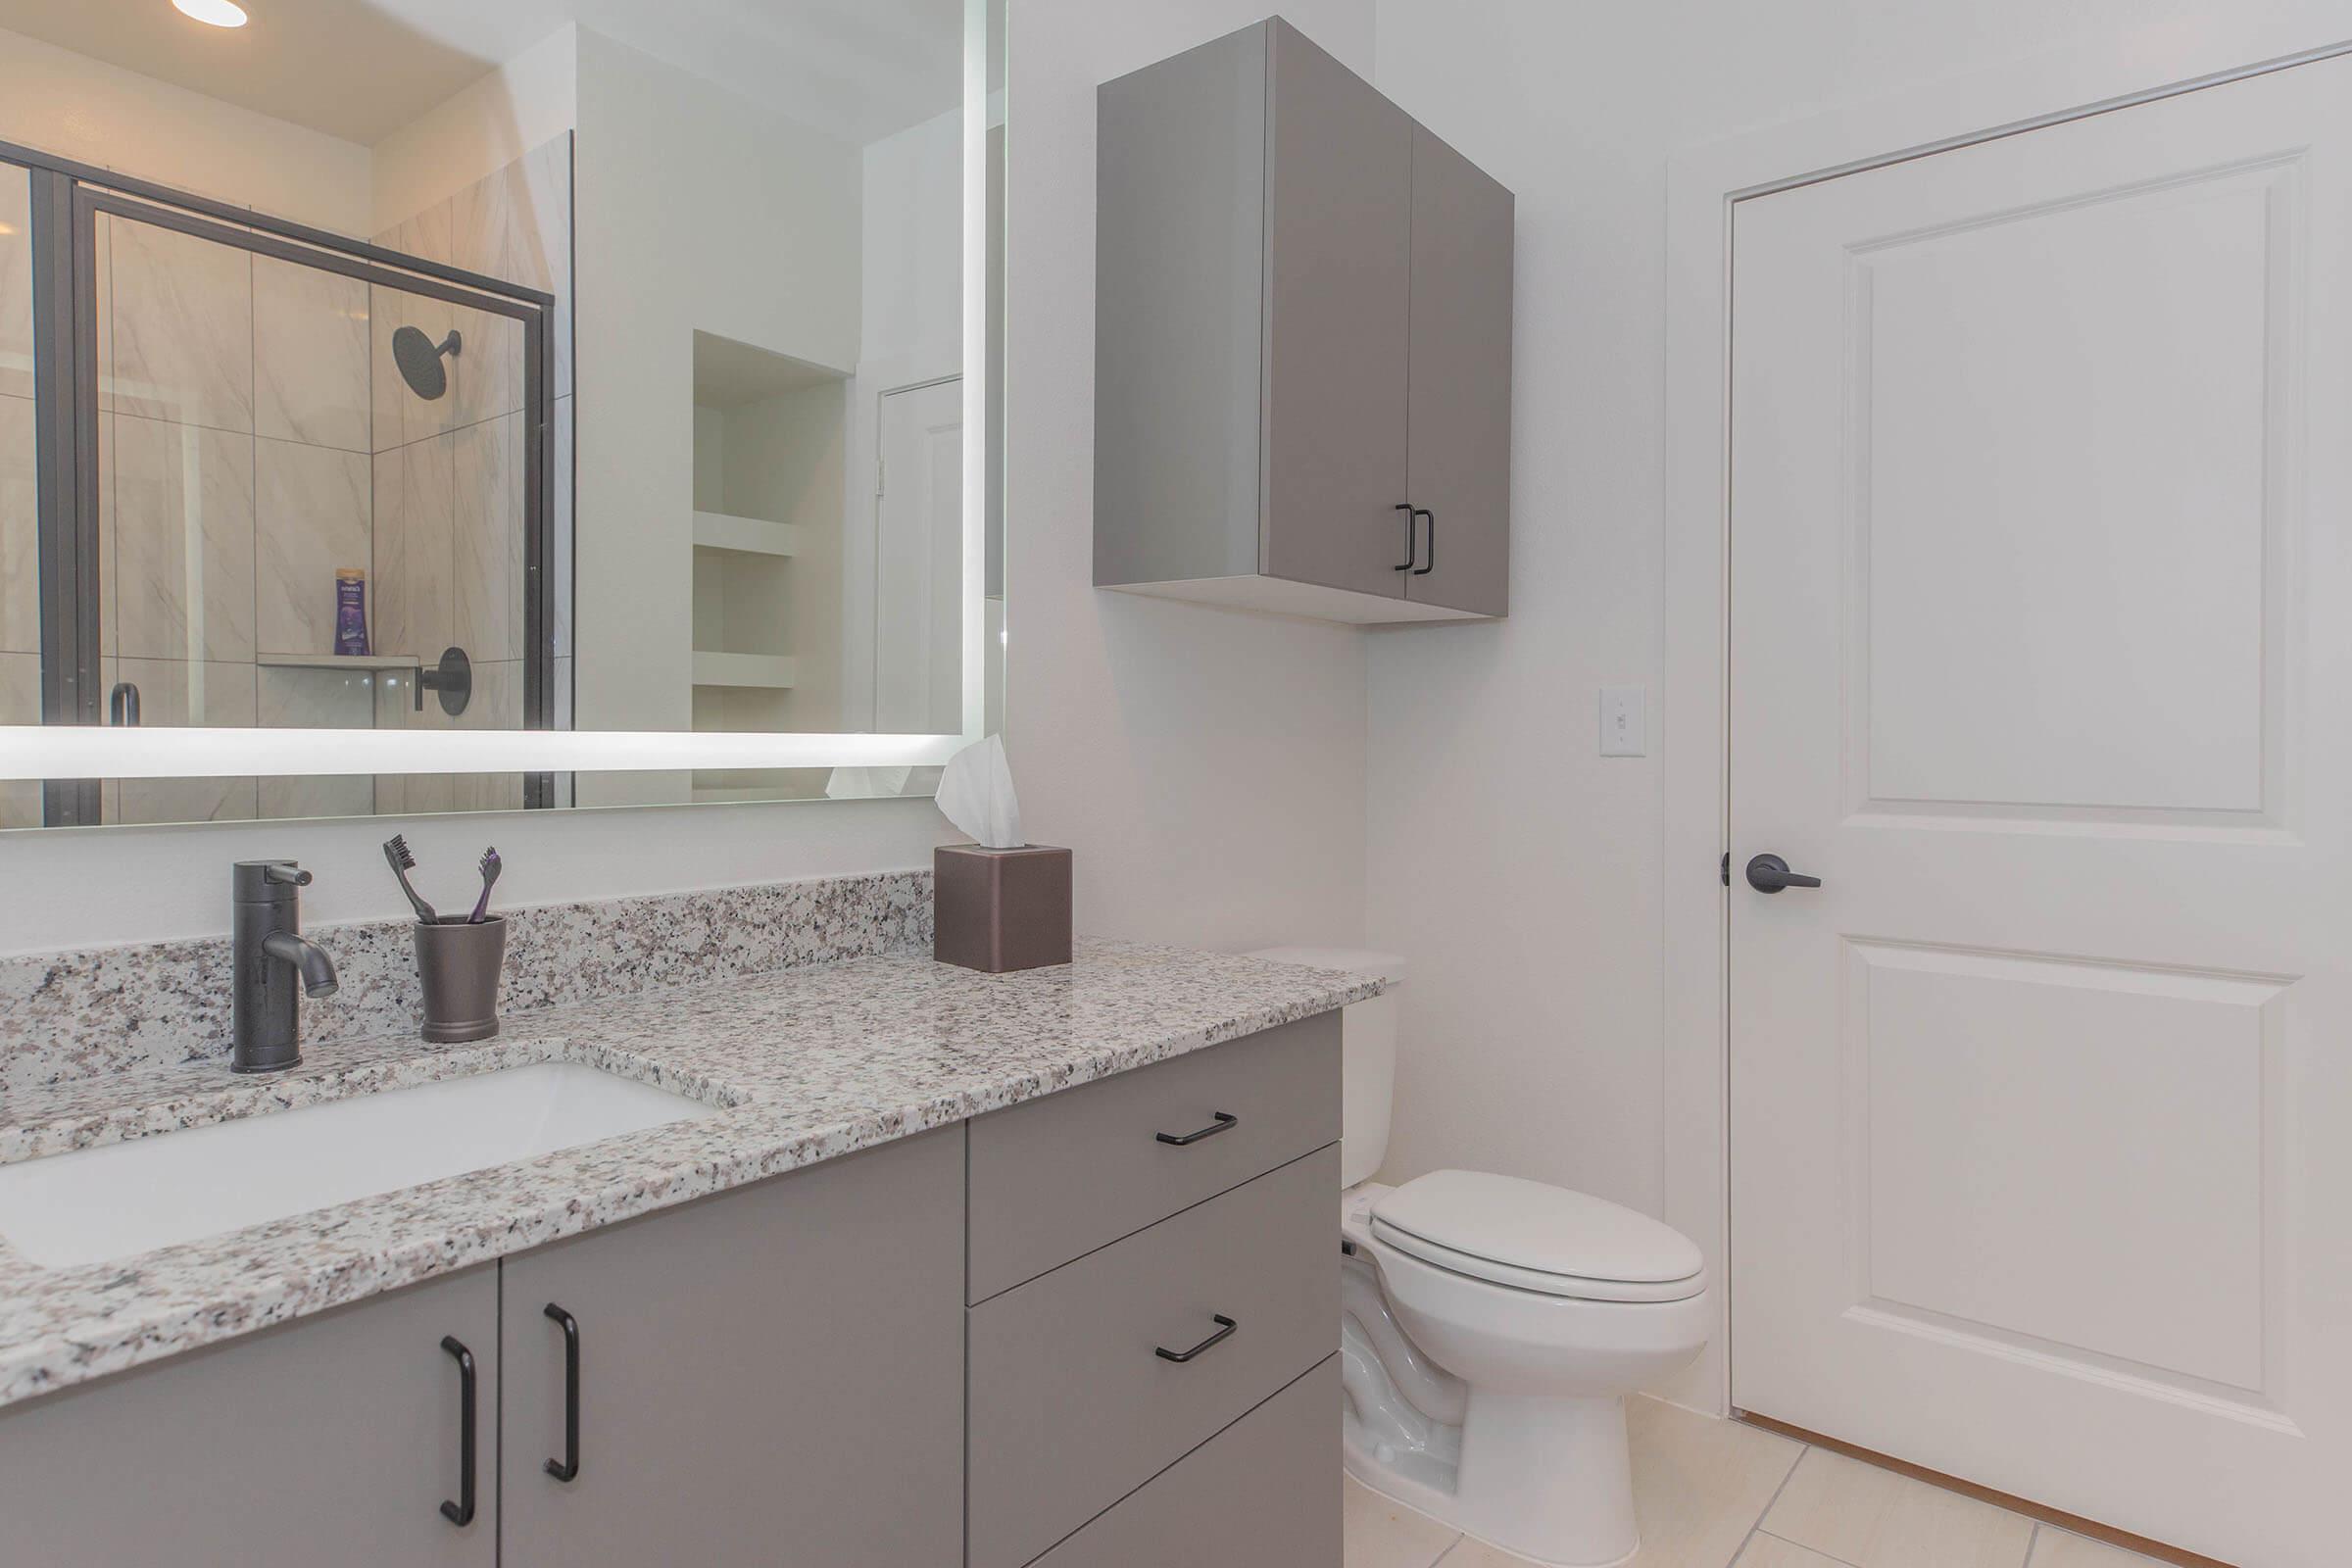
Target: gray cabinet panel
1071,1408
1459,447
1339,279
1264,1492
1059,1176
1179,253
331,1440
771,1375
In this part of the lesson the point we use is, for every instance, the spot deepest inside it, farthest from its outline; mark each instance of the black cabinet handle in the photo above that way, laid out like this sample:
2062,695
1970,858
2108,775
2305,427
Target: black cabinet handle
1222,1122
1432,564
567,1468
461,1512
1225,1326
1406,564
1769,873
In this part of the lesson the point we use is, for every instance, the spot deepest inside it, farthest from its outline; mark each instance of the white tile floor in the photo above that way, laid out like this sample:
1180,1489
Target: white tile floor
1715,1493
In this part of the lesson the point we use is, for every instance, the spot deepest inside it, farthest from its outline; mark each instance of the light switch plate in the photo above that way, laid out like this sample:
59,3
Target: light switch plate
1624,723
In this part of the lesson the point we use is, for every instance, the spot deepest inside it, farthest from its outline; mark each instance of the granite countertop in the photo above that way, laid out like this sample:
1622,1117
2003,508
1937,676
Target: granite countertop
808,1064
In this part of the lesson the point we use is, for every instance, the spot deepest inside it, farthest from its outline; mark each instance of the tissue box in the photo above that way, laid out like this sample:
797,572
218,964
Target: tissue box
1000,909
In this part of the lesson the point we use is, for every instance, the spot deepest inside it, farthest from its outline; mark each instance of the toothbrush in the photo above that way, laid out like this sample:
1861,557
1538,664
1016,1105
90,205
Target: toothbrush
403,861
491,866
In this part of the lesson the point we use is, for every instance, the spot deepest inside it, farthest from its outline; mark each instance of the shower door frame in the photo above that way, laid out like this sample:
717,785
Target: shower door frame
67,198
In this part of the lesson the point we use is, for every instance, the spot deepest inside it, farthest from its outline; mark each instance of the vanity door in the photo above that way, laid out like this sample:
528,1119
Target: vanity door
771,1375
337,1439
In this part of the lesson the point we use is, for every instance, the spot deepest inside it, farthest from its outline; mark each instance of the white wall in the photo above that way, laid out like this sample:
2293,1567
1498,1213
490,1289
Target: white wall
911,250
695,208
1519,871
1207,766
75,107
494,120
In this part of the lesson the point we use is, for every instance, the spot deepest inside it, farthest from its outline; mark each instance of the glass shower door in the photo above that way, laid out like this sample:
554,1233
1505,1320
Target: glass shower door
20,503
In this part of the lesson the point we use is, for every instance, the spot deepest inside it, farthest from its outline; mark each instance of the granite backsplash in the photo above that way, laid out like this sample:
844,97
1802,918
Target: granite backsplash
71,1016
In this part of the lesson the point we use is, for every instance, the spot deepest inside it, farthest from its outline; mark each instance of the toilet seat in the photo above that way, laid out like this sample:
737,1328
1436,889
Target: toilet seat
1535,1237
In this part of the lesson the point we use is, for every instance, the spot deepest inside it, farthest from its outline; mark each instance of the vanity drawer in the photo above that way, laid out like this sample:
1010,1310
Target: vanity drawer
1264,1492
1070,1405
1057,1177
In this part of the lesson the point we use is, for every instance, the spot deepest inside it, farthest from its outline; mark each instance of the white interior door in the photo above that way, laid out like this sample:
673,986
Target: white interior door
918,562
2042,1103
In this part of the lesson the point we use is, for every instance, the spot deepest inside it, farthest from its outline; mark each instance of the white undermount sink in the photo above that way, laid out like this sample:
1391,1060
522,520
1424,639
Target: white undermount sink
116,1200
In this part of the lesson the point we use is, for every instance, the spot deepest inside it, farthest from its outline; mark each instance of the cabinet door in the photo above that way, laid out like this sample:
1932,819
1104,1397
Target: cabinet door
1339,200
332,1440
1459,449
773,1375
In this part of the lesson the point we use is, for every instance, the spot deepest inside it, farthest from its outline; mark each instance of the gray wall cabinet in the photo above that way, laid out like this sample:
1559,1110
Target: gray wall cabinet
1302,333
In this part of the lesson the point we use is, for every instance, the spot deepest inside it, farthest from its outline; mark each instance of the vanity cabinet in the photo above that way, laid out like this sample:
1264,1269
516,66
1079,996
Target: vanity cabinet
1151,1262
1302,381
1094,1328
774,1374
334,1439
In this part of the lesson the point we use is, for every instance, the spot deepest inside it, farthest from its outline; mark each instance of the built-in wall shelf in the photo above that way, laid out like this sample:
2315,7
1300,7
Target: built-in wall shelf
751,536
337,661
766,672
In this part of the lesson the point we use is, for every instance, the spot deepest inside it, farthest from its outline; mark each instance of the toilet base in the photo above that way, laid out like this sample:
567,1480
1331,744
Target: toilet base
1443,1507
1546,1477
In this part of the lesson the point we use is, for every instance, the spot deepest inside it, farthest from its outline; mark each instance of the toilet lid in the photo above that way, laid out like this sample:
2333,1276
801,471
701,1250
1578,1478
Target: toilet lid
1537,1237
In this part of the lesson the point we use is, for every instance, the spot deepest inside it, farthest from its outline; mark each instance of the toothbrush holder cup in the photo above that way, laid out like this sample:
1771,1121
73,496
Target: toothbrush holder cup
460,963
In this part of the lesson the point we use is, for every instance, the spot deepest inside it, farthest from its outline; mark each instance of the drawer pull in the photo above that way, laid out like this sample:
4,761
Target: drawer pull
1222,1122
1225,1326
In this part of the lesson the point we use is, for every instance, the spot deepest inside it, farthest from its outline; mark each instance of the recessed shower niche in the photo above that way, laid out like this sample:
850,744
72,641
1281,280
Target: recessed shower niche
769,502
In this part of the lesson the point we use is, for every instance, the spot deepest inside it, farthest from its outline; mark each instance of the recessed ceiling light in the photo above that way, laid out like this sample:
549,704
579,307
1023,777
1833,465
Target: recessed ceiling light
218,12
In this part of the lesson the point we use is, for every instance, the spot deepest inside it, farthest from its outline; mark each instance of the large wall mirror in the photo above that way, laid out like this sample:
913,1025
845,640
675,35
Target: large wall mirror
408,408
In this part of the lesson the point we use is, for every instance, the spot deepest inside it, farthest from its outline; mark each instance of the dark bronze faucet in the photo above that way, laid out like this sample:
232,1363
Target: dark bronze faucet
271,954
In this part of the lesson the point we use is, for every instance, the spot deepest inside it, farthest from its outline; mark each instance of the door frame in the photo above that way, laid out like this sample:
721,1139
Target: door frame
1702,186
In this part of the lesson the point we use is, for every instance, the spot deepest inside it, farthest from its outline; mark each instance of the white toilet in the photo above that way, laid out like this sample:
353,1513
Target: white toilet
1492,1327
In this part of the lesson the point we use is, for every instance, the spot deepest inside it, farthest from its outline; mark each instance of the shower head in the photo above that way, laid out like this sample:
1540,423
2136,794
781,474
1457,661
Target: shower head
420,361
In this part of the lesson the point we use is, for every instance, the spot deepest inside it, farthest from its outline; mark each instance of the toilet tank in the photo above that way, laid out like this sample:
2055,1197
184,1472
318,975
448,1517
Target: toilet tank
1367,1054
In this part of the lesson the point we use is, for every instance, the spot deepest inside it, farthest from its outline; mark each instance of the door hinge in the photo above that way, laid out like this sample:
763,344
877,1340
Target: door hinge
1727,869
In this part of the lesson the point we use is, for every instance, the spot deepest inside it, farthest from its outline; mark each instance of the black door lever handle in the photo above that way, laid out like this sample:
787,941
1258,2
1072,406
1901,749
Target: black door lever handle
1769,873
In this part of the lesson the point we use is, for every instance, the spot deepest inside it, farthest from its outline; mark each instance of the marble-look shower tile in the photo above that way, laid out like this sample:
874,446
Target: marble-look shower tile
539,208
400,415
312,511
414,586
311,356
487,376
16,283
175,692
183,578
182,327
481,231
489,540
567,526
19,529
427,234
20,704
318,699
497,705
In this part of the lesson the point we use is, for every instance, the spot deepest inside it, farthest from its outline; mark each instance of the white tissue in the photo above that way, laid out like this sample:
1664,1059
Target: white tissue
975,792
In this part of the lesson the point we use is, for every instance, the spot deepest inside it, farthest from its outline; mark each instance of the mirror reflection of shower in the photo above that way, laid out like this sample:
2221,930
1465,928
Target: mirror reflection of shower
419,359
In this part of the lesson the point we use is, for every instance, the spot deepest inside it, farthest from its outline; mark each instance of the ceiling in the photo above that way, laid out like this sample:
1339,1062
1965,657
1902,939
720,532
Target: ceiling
361,69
